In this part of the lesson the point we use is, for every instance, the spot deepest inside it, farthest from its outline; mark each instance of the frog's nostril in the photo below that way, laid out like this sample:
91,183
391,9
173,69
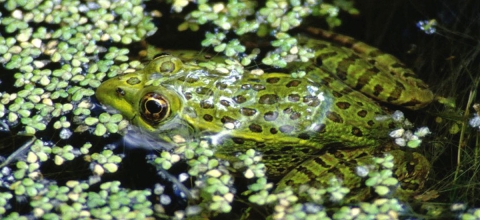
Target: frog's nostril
120,92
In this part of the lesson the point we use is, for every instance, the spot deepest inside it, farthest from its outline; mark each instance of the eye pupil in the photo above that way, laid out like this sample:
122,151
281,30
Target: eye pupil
154,108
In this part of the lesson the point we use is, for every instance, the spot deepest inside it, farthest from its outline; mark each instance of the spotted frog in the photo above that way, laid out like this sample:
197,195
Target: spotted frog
308,129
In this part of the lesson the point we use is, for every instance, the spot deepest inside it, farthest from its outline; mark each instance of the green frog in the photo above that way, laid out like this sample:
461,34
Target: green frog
307,129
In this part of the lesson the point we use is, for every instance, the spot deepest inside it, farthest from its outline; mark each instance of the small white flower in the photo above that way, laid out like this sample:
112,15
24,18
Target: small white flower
422,132
362,171
475,121
401,142
398,116
397,133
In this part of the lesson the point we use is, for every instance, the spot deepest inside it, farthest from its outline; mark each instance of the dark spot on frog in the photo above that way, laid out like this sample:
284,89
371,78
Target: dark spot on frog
357,132
293,83
327,55
319,128
370,122
327,80
319,160
255,128
412,102
268,99
206,104
191,79
280,170
311,100
336,94
133,81
188,79
273,130
120,92
225,103
395,94
333,116
238,140
286,148
270,116
273,157
362,113
258,87
343,105
246,86
221,85
273,80
286,129
377,90
248,111
226,119
239,99
260,144
187,95
318,61
295,159
304,136
347,90
204,91
342,75
400,85
293,97
208,117
306,150
295,115
364,78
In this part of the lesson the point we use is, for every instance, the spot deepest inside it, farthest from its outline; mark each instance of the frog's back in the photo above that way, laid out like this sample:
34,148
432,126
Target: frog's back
275,113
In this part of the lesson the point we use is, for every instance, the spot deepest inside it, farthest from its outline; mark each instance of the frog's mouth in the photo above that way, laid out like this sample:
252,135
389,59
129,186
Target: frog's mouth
110,109
136,137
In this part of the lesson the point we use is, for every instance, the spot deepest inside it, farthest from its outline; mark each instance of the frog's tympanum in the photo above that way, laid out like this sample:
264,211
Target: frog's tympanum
308,129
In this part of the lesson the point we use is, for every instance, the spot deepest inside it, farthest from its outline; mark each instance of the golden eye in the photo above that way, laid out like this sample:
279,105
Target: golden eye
154,108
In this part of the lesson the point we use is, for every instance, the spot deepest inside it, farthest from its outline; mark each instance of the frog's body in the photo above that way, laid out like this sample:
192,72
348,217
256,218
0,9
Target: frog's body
290,120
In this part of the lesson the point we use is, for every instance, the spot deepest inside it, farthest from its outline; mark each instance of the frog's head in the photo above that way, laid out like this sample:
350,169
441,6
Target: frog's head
152,108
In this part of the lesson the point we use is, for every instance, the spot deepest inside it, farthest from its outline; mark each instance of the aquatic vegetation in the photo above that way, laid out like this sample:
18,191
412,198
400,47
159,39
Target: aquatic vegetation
56,53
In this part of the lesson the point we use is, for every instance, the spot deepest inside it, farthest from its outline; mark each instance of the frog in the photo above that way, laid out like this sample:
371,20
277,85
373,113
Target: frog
308,129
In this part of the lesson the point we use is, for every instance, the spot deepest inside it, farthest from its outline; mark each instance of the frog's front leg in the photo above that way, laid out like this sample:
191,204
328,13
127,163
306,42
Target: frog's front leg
350,168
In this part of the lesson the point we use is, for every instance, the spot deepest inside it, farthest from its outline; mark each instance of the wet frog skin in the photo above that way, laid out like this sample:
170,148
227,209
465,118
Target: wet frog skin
307,129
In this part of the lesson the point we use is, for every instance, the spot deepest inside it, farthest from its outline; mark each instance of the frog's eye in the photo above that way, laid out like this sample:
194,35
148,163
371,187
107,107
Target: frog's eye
154,108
